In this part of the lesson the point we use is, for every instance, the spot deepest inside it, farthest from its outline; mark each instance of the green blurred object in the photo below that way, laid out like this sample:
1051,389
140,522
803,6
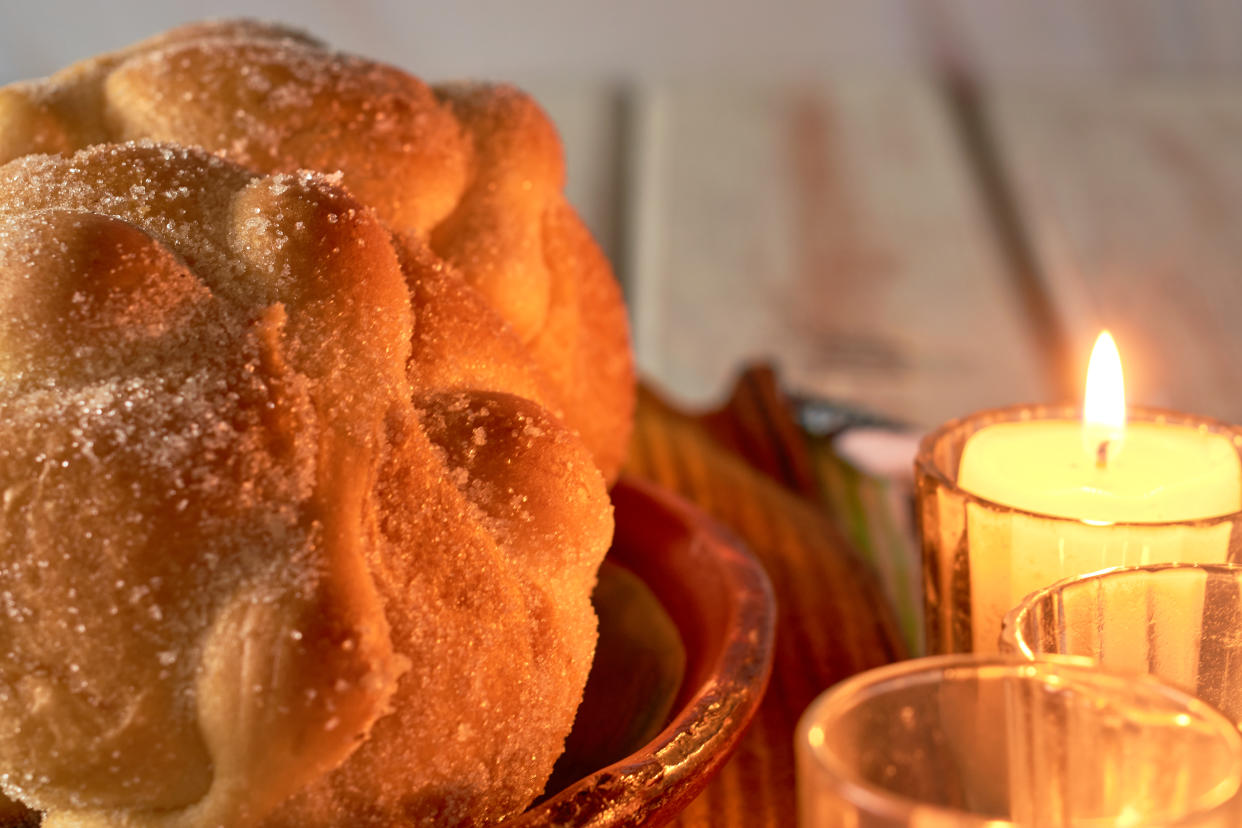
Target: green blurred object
876,515
873,507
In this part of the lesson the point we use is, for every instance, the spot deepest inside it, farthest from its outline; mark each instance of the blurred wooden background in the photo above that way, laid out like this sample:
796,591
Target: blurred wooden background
922,207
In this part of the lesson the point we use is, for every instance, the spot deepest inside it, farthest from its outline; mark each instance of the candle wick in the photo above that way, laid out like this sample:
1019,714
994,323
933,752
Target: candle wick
1101,455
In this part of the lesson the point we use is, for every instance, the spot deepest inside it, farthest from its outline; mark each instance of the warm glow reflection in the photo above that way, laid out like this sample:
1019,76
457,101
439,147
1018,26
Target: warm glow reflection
1104,406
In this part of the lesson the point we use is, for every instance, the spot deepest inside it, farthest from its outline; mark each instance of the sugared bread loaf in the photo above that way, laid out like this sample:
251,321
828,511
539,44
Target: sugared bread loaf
474,172
262,561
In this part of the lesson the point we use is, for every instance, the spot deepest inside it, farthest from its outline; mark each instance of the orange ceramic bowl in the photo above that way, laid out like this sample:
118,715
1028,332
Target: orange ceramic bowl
722,613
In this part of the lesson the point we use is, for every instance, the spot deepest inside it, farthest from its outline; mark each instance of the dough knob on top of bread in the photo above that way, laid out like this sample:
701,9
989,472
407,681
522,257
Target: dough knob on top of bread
474,171
259,567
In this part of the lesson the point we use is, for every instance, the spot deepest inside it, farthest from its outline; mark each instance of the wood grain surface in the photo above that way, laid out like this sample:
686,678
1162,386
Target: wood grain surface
833,228
832,620
1070,39
1131,195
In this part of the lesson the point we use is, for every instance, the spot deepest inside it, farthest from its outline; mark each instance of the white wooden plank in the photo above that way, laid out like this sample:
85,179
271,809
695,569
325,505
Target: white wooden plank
655,39
834,229
595,40
1102,38
1132,195
645,233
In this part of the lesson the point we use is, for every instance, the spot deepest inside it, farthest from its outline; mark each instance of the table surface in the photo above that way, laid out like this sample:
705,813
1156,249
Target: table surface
932,240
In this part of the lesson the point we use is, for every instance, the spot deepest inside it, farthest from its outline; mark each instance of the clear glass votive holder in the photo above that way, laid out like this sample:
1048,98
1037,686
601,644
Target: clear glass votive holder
981,558
967,741
1180,622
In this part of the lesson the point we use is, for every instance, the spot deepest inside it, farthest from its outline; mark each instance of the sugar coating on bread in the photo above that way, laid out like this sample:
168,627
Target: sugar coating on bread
475,172
258,567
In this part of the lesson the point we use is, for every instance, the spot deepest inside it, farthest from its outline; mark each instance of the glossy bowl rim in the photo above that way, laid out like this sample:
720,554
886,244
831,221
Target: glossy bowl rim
699,737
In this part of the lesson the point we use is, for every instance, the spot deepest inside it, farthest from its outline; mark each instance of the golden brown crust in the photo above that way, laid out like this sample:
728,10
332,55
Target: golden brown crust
525,486
171,394
475,172
459,343
584,341
245,531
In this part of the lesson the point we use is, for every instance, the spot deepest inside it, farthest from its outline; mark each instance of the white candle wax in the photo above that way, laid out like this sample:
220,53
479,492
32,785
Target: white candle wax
1087,517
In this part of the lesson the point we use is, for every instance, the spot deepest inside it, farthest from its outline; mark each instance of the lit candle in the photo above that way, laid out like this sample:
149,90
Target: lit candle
1122,495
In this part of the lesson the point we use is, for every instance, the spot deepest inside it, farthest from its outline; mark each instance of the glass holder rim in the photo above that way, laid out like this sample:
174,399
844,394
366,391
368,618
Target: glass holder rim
908,672
925,465
1017,615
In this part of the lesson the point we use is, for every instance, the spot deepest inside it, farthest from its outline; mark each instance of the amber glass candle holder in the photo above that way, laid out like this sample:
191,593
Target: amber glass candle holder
1179,622
965,741
981,558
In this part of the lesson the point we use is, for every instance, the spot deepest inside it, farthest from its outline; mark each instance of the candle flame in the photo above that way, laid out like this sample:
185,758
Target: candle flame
1104,406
